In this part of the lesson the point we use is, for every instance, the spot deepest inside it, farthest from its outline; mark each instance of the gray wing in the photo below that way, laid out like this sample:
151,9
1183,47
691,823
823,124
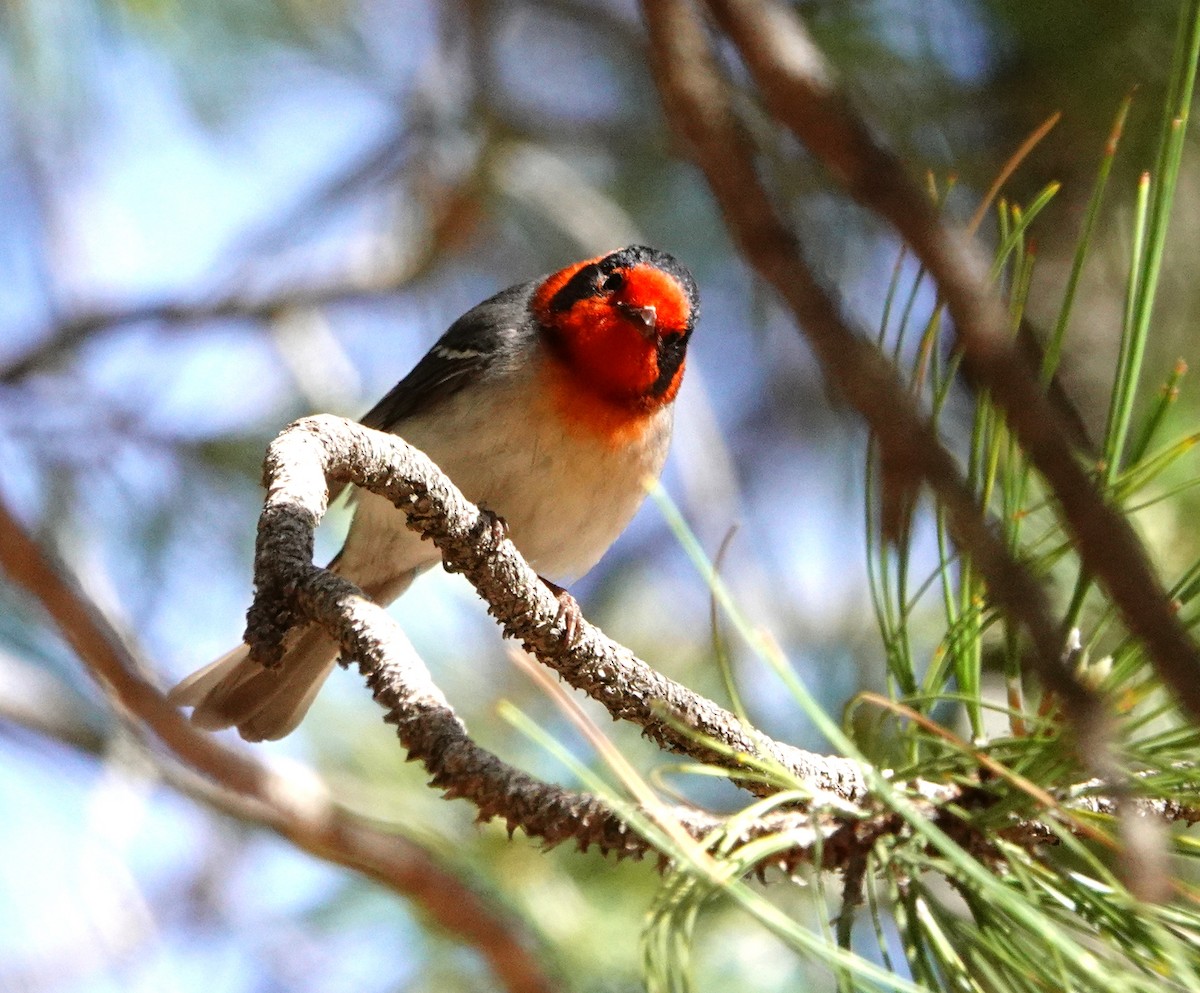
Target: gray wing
486,338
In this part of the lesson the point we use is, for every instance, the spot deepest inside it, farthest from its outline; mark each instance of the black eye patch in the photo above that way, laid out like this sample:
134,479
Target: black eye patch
579,287
671,350
614,283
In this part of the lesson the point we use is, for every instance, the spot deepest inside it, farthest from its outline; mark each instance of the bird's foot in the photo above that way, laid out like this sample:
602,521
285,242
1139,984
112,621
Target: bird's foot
568,614
492,527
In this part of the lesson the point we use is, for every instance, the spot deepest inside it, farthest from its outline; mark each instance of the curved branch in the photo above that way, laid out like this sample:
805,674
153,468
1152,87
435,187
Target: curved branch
450,210
315,449
291,587
314,454
298,808
433,734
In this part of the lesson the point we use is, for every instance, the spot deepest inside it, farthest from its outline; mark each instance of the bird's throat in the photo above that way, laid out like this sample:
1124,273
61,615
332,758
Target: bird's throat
595,409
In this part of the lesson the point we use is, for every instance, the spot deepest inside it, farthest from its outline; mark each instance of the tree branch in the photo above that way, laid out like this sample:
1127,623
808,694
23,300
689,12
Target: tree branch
317,454
299,808
699,106
831,830
313,449
800,88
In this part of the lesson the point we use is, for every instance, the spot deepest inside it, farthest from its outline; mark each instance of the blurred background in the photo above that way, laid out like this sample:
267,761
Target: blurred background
217,217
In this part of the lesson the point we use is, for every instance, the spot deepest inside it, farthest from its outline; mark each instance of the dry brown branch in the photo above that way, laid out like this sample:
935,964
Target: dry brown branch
451,211
61,340
800,89
699,106
296,808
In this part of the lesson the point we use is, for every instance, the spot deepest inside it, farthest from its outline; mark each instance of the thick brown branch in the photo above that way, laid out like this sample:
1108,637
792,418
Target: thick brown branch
450,211
800,88
64,338
698,104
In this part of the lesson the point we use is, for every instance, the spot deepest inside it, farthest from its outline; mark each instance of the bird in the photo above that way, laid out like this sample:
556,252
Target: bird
549,404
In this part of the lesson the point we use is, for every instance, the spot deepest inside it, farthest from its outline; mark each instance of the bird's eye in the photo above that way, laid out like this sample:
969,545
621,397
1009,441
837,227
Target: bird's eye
614,282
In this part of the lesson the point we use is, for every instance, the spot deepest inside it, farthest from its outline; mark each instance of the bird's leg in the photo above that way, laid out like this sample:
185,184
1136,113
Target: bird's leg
568,611
493,525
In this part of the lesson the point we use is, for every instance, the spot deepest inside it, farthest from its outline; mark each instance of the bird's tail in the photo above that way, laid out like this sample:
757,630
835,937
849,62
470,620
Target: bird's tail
266,704
263,704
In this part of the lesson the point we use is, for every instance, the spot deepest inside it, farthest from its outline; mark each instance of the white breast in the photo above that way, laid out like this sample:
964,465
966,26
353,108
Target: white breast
565,496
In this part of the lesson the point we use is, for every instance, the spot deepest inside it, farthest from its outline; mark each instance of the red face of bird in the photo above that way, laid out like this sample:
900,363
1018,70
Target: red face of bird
622,322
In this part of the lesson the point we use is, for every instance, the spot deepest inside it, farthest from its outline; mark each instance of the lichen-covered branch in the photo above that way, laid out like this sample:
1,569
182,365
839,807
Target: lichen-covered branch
315,453
673,716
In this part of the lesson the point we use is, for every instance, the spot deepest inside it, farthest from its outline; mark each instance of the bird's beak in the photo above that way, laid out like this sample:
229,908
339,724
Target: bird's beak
645,317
